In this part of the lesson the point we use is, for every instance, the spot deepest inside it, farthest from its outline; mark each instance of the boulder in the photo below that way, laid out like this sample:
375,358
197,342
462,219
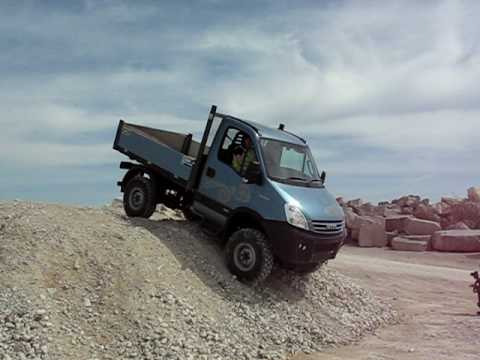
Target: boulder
408,201
426,212
366,209
372,233
403,244
425,202
350,217
358,222
355,204
474,194
396,223
391,211
458,226
457,240
468,212
451,201
425,238
442,208
421,227
406,210
390,236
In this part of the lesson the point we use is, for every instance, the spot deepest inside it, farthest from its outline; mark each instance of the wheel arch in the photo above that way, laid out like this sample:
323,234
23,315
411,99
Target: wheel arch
243,218
137,170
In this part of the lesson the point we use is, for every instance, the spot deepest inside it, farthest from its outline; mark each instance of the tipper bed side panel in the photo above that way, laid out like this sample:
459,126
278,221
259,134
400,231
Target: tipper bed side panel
151,150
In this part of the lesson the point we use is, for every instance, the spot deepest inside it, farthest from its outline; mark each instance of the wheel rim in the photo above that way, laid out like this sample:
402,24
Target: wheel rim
136,198
244,257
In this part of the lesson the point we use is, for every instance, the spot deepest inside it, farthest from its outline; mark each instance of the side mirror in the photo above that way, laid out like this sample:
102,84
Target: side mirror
253,173
323,176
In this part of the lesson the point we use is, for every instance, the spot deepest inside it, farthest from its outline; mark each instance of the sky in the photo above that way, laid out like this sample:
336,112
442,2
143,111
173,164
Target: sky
387,93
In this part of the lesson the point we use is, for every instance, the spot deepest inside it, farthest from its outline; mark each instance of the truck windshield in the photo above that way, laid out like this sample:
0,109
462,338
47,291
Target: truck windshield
287,162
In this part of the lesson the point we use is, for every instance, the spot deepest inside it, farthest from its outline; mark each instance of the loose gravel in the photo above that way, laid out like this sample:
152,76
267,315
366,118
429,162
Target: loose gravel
90,283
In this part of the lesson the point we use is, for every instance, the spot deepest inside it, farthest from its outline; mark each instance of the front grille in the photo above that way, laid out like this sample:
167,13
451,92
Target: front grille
328,227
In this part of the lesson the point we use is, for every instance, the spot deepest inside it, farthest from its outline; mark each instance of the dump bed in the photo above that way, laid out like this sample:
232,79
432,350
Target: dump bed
170,153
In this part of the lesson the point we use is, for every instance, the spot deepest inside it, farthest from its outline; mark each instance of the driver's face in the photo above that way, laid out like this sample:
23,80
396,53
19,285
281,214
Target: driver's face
248,142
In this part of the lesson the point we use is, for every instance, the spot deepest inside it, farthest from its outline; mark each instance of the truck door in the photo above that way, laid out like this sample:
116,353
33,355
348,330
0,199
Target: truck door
222,188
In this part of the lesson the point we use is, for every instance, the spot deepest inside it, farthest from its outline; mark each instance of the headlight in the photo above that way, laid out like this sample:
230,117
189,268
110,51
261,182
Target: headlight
295,216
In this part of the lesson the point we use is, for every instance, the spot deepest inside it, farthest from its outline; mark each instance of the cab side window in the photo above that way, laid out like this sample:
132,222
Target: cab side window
233,151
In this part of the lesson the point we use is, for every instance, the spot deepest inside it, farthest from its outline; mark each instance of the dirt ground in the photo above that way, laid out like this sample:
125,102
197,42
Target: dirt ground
431,289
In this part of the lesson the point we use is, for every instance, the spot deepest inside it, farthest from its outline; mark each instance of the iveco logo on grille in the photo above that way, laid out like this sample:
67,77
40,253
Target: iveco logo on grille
331,226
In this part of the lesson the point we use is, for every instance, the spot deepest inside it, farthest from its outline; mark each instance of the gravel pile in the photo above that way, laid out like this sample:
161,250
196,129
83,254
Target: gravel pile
89,283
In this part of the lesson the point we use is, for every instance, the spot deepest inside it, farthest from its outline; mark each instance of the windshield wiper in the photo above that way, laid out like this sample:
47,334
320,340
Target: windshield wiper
297,178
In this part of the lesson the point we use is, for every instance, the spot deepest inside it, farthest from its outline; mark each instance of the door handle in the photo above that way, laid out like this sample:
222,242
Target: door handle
210,172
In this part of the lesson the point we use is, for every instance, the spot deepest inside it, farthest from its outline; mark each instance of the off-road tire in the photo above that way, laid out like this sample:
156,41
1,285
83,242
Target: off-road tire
139,197
254,241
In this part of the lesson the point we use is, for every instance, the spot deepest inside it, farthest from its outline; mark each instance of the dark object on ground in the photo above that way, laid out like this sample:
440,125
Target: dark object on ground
476,287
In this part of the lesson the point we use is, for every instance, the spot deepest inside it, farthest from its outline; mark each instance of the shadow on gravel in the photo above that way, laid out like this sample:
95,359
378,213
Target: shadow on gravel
204,256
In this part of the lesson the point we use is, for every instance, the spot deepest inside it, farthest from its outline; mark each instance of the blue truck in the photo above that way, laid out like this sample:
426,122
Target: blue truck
256,188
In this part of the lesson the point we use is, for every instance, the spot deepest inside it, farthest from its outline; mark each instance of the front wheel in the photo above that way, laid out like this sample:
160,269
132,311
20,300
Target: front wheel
139,198
249,255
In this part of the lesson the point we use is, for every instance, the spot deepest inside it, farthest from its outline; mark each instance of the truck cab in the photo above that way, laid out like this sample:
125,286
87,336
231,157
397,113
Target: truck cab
259,190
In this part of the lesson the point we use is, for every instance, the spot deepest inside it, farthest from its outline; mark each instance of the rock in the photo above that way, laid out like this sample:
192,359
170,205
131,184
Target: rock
396,223
426,238
468,212
406,210
356,203
403,244
39,314
421,227
474,194
340,201
442,208
410,201
425,202
458,226
426,212
390,236
366,209
350,217
76,264
457,240
451,201
87,302
372,233
392,211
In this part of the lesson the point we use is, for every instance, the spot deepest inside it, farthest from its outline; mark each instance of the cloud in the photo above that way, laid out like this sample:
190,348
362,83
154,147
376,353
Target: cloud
376,87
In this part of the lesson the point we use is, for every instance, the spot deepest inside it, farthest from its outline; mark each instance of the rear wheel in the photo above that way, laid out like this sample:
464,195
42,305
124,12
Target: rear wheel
249,255
139,198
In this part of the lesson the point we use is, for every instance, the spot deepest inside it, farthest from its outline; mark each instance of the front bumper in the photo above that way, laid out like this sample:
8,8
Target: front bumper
292,245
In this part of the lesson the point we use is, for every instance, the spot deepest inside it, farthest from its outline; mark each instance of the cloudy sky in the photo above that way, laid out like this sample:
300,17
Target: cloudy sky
386,92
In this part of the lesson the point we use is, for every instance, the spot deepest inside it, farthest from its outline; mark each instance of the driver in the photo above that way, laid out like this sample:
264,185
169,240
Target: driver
249,151
238,155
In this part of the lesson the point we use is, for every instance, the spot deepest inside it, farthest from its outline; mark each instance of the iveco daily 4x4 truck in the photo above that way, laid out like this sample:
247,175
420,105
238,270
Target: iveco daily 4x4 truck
257,188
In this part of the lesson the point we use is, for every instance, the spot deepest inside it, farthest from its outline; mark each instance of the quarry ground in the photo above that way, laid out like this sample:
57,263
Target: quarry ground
431,289
89,283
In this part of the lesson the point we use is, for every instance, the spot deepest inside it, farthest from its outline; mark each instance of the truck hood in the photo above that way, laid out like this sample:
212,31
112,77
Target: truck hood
316,203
